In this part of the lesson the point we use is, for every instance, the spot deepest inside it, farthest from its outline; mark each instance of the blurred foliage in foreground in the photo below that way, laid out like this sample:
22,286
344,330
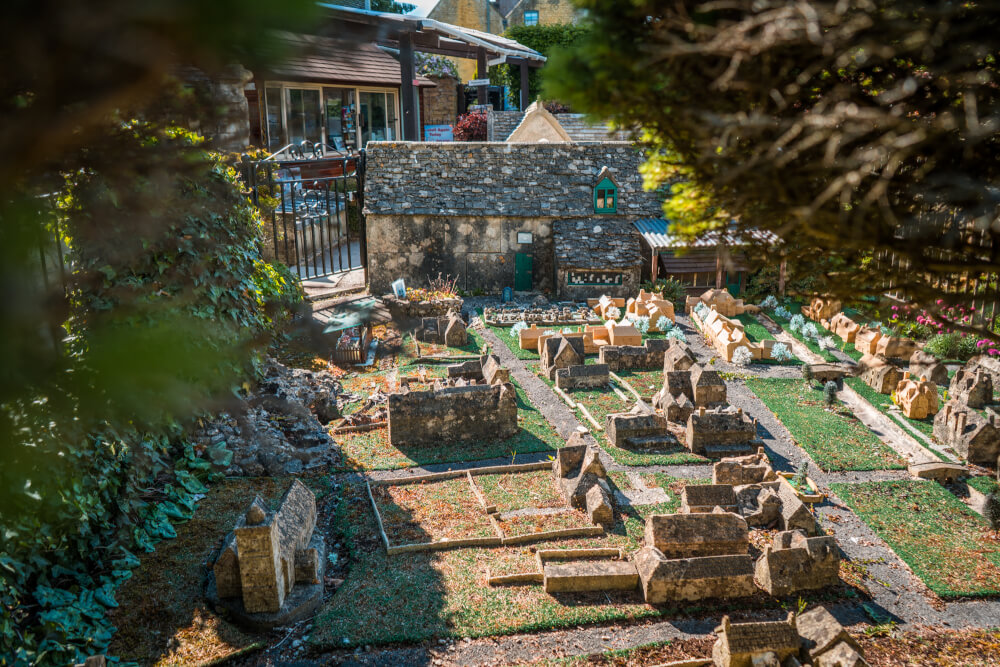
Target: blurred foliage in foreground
160,315
856,130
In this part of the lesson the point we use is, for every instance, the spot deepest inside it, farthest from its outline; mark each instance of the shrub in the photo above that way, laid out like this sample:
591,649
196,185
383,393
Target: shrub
810,332
827,343
676,334
992,512
701,309
742,357
770,303
782,313
514,330
796,322
951,346
641,324
830,393
671,289
664,324
807,373
781,353
471,127
801,474
613,313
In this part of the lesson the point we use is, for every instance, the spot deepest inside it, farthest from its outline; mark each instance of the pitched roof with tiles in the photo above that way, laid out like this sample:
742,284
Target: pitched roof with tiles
749,638
326,60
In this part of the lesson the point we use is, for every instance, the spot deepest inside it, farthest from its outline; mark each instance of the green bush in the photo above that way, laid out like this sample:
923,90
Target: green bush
671,289
541,38
170,310
951,346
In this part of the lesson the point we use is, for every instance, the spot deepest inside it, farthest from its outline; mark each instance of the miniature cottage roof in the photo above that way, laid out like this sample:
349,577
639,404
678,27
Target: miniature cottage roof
750,638
595,243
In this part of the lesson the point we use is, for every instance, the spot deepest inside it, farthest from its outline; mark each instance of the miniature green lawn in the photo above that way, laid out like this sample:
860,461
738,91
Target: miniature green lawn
883,402
846,348
835,440
416,596
371,450
604,401
944,542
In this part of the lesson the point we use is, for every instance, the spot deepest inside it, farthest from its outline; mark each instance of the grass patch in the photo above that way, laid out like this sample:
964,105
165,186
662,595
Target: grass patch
604,401
530,524
836,440
754,330
513,491
883,403
417,596
371,450
431,511
944,542
843,346
983,484
408,350
164,599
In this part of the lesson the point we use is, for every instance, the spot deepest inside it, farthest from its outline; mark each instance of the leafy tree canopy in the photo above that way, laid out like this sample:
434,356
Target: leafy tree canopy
546,39
864,133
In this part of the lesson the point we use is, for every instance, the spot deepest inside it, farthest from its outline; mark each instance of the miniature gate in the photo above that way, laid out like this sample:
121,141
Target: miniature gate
313,213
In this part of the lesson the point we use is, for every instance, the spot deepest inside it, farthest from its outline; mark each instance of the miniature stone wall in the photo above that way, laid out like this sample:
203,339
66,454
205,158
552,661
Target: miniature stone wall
638,428
794,562
721,432
457,208
582,377
974,436
621,357
478,412
821,308
403,310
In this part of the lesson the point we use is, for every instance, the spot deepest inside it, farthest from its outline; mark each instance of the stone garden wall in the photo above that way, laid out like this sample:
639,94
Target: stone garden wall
457,208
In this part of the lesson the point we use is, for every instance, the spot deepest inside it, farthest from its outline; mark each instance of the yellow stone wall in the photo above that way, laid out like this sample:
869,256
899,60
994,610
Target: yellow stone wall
549,12
467,14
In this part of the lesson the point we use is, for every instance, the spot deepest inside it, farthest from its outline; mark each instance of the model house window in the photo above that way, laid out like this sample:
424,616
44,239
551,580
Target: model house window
606,197
531,18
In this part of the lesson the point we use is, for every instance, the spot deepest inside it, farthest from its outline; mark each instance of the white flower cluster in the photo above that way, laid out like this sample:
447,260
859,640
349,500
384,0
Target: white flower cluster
742,357
770,303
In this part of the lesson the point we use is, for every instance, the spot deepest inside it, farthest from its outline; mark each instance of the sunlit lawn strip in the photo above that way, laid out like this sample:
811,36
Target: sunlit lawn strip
431,511
944,542
604,401
846,348
836,440
512,491
883,403
416,596
371,450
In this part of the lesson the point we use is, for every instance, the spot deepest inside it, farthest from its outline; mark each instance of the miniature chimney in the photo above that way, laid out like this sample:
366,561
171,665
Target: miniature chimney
701,411
906,375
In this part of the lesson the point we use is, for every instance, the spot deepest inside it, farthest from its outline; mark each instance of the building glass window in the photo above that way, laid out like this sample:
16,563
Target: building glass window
274,119
606,197
531,18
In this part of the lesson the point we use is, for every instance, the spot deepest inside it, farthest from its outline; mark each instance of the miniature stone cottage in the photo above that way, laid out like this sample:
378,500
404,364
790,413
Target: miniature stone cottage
721,432
269,571
821,308
486,412
916,398
719,299
449,330
561,352
795,562
582,478
879,373
756,643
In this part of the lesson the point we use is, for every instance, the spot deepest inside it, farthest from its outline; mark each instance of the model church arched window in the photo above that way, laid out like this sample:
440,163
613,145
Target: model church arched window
605,193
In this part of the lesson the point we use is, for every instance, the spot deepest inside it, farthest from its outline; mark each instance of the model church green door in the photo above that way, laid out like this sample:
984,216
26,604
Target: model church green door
522,272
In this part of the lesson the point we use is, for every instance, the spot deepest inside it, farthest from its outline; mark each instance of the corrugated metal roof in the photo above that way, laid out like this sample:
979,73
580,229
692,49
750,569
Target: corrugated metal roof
325,60
655,231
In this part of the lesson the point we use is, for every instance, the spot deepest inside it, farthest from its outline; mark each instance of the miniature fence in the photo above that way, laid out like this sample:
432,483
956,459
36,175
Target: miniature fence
490,510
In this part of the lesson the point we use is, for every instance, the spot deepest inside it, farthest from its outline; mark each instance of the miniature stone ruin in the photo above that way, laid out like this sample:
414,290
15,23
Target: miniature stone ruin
475,412
582,377
795,562
721,432
739,470
698,498
813,638
719,299
449,330
639,428
879,373
685,390
551,316
650,354
727,336
821,308
561,352
916,398
926,365
967,422
270,569
651,305
582,478
896,347
842,326
695,556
